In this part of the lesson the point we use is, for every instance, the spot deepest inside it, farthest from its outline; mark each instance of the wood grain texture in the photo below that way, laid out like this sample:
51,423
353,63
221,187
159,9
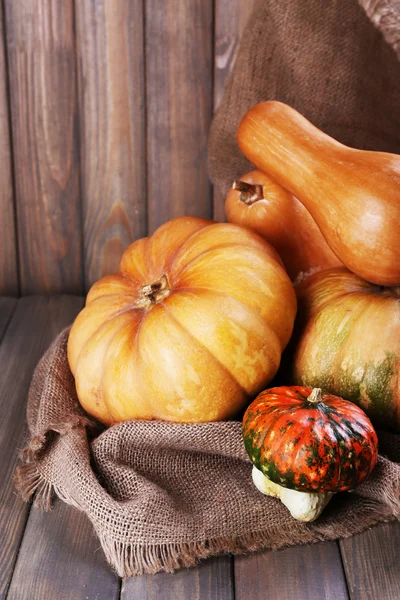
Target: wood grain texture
179,107
110,48
211,580
61,558
372,563
302,572
34,324
8,256
41,58
230,19
7,307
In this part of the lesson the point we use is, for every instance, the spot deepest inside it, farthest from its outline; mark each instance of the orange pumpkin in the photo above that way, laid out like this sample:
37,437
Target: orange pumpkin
189,330
258,202
353,195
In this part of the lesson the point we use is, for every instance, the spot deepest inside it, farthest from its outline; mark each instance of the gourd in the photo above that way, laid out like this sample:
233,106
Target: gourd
258,202
306,445
347,341
353,195
189,330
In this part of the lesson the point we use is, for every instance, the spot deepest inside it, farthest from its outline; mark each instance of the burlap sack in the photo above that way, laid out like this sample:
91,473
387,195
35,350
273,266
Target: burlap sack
327,60
163,495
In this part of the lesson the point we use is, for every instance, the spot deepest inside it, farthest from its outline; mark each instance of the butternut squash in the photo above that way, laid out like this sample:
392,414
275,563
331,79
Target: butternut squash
353,195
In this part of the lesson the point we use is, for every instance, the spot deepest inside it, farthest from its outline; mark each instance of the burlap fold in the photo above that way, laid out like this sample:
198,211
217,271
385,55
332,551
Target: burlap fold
163,495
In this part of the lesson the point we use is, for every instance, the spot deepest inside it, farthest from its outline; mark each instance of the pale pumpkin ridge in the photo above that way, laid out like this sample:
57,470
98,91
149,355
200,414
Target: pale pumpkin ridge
347,341
264,324
136,356
248,308
102,325
186,241
199,343
133,294
227,245
104,369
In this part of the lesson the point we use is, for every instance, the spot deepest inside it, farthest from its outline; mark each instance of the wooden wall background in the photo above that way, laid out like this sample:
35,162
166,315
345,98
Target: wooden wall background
105,107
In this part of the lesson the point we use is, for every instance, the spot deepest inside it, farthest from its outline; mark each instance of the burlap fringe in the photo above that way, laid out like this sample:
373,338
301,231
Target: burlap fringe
385,15
130,559
29,481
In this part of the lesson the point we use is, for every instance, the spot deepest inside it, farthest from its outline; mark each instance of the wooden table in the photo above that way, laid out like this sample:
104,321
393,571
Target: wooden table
56,556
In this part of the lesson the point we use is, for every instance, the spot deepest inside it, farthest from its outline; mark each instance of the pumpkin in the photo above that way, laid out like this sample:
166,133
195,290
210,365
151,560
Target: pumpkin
308,441
258,202
348,342
352,195
191,327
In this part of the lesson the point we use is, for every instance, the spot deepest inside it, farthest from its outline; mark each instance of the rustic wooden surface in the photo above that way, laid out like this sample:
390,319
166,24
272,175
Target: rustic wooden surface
302,572
230,19
110,51
213,579
33,325
41,60
372,563
56,555
8,256
179,107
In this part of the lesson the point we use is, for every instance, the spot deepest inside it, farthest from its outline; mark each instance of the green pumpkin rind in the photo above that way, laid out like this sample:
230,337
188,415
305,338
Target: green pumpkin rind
330,446
340,348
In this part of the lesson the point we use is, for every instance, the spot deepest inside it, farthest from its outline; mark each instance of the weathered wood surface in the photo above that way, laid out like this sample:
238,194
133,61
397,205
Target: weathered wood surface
107,117
34,324
7,307
42,75
211,580
372,563
302,572
61,559
179,56
8,255
110,51
229,21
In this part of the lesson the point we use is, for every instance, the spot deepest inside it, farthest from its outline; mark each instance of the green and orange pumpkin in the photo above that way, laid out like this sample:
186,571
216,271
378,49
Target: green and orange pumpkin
307,441
347,341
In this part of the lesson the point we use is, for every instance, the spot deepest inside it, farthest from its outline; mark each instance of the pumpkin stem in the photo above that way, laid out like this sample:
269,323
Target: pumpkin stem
153,293
315,396
249,192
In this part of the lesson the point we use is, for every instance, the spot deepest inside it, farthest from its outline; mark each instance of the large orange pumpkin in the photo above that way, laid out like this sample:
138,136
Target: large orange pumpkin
189,330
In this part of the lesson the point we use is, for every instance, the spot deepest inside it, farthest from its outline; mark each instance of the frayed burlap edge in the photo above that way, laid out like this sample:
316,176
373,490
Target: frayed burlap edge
130,559
385,15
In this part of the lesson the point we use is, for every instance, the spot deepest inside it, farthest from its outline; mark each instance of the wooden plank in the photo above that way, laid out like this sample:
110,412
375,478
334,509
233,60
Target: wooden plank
7,307
35,322
372,563
110,48
41,58
230,19
179,107
8,255
212,580
302,572
60,558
